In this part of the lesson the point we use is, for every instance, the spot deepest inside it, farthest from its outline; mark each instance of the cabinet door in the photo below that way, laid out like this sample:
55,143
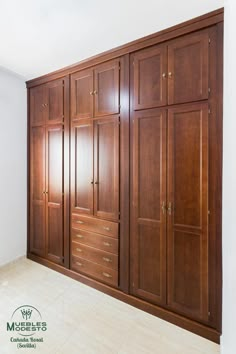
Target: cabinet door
82,94
55,101
54,193
148,214
82,167
107,89
106,168
37,190
150,77
37,105
188,211
188,68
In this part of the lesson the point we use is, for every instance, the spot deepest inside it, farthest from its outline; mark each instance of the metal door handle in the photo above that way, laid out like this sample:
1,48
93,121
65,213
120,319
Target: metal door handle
169,208
79,236
163,207
106,275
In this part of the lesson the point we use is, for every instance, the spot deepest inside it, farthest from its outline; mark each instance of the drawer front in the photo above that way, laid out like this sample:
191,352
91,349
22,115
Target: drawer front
94,270
104,243
107,228
106,259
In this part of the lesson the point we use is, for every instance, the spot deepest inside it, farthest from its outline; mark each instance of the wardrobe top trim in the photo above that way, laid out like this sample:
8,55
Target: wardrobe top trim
186,27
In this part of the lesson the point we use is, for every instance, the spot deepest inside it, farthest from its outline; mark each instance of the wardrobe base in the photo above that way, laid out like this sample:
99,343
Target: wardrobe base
192,326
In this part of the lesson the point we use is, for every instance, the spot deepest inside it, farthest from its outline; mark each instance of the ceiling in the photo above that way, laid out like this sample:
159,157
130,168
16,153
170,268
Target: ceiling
39,36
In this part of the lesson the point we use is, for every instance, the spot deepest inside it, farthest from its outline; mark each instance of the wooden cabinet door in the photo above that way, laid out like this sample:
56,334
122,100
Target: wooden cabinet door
188,68
37,105
106,168
107,89
82,167
150,77
54,193
188,211
37,191
54,101
82,94
148,214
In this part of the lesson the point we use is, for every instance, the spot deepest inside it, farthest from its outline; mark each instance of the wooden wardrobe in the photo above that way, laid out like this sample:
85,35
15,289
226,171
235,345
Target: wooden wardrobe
125,173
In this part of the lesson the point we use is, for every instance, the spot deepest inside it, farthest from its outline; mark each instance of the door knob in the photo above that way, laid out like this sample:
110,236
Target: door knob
96,182
164,75
95,92
170,74
91,93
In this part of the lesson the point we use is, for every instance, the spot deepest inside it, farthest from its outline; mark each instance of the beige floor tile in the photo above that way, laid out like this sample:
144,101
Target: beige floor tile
82,320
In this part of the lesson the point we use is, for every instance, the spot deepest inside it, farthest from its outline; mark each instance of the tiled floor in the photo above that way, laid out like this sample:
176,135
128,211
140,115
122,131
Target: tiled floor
83,320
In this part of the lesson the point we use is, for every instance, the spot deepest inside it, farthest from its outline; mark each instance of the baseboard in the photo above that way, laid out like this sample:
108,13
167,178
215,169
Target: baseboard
7,264
192,326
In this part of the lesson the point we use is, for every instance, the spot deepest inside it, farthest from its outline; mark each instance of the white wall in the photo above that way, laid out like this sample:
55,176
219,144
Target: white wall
229,183
50,34
13,132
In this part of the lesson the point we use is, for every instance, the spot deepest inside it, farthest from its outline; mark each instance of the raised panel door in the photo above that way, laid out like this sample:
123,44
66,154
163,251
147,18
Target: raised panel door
107,89
148,213
106,168
37,105
54,193
82,167
188,68
55,101
82,94
37,190
188,210
150,77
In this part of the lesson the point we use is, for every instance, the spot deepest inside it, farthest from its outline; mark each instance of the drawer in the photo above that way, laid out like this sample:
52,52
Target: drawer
92,239
94,255
107,228
94,270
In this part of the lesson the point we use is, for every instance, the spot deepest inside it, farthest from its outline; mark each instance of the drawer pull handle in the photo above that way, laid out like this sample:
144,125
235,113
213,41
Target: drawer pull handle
79,236
79,222
79,264
79,249
106,275
107,244
106,228
106,259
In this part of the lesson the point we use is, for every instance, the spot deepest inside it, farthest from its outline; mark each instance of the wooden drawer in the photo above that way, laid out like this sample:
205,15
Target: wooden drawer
104,227
94,270
92,239
106,259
